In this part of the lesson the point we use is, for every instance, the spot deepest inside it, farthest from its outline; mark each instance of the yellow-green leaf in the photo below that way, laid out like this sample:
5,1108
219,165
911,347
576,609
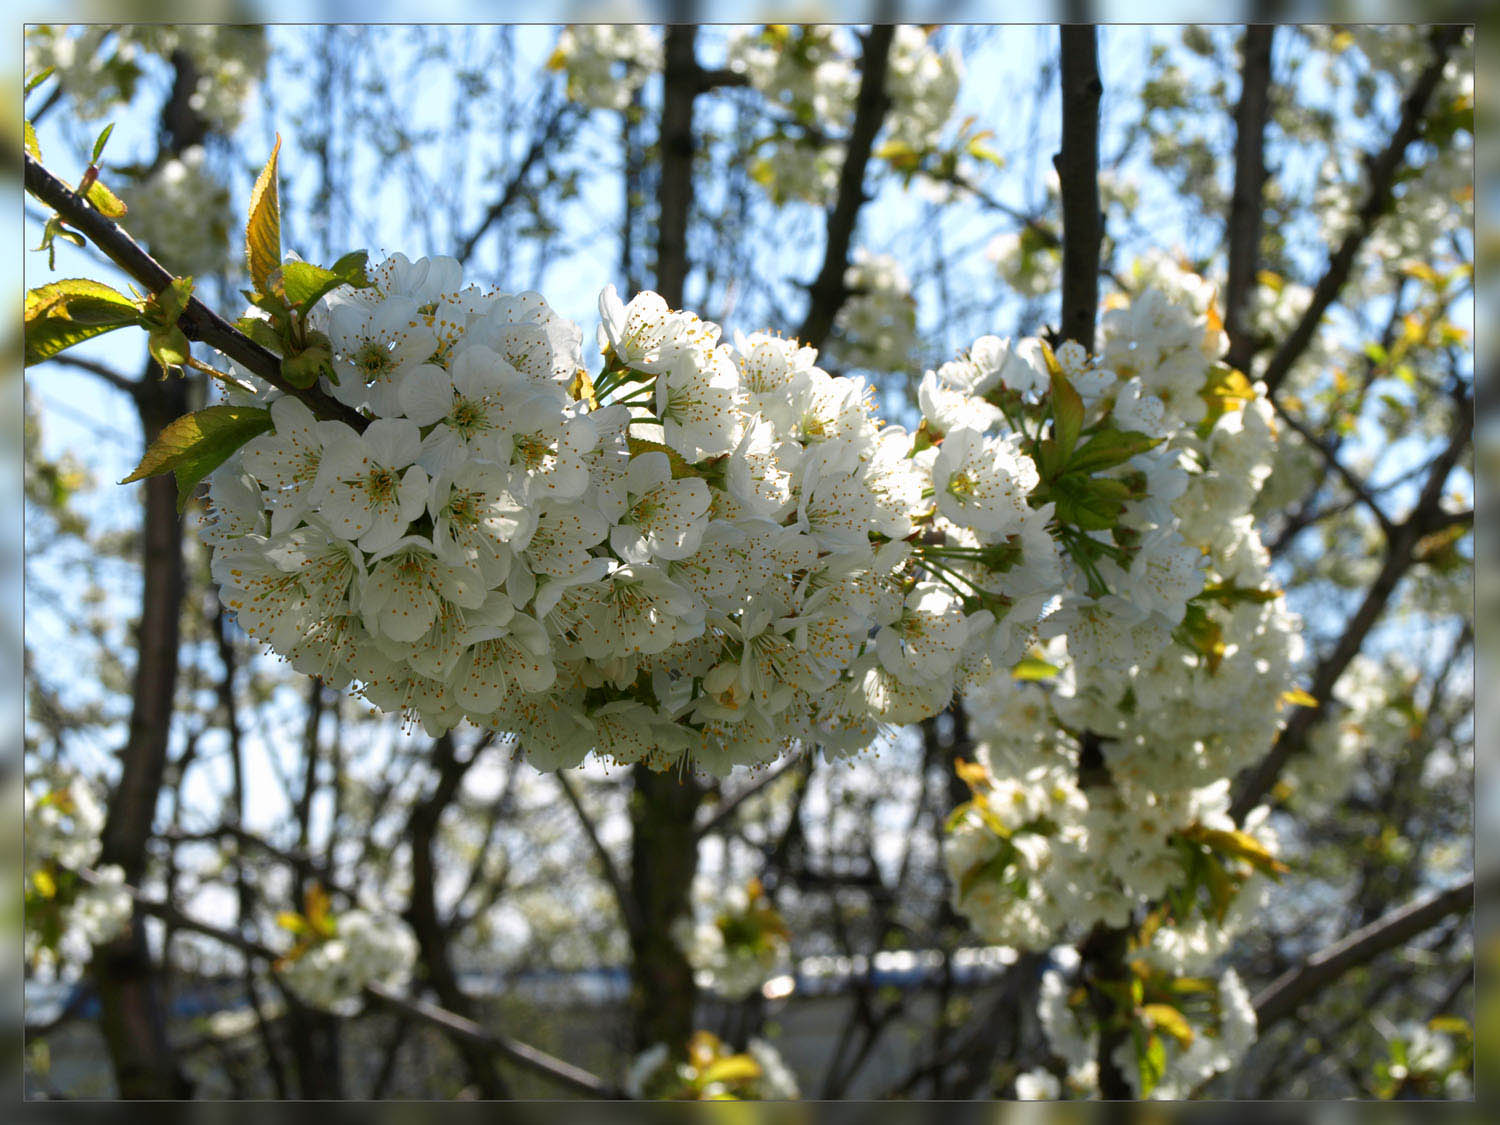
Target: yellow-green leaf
1033,668
196,444
1298,698
1067,409
32,146
1166,1018
734,1068
64,313
45,885
263,231
106,202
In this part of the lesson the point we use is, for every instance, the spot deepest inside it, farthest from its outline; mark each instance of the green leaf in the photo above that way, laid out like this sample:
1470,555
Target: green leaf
37,79
262,332
106,202
169,347
1108,448
263,231
31,143
351,267
53,230
303,369
45,885
196,444
1092,503
304,284
1067,413
65,313
164,308
101,142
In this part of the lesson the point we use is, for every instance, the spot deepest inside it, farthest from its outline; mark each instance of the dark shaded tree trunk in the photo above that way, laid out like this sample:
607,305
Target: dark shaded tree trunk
132,1016
663,806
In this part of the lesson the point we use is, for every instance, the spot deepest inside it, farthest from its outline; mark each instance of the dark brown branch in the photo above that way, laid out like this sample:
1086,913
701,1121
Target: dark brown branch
681,84
1103,951
1398,558
612,876
1247,204
132,387
1077,164
828,292
545,135
726,809
1382,169
454,1026
1337,467
198,321
422,912
1283,996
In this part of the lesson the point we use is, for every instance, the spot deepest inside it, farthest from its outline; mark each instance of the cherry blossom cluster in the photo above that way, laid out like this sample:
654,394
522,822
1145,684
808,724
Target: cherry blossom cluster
363,947
735,939
1176,700
68,912
812,74
1223,1030
183,185
710,553
99,66
360,947
709,1070
876,329
606,64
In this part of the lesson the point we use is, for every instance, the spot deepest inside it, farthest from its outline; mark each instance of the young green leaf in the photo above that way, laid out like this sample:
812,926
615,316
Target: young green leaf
196,444
106,202
1108,448
65,313
263,231
1067,413
169,347
351,267
37,79
54,230
99,144
32,147
304,284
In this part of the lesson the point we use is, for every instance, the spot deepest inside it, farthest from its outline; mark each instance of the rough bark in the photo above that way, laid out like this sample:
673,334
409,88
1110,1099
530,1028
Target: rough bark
1247,203
663,806
1077,163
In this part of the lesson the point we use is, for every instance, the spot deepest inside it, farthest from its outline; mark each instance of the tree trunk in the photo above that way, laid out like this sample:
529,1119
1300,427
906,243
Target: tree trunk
132,1018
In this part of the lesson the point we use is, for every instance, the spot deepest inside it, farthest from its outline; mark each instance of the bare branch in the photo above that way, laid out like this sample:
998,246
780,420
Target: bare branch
545,135
1382,169
628,909
1284,995
455,1026
827,293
